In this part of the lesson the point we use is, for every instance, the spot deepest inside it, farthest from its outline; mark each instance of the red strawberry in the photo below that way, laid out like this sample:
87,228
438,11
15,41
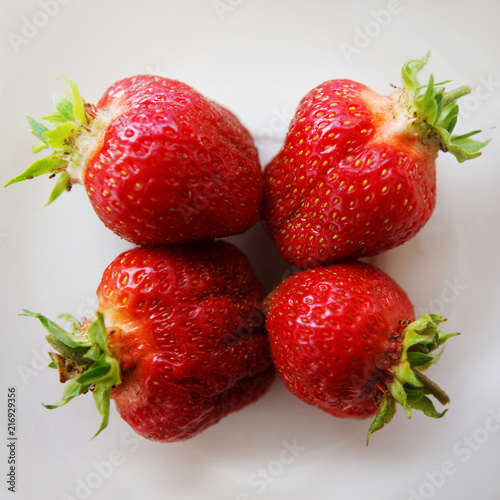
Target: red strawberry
344,338
178,341
356,175
160,163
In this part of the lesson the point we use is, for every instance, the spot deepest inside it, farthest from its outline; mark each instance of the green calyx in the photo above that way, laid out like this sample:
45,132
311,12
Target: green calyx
407,385
433,113
84,362
73,118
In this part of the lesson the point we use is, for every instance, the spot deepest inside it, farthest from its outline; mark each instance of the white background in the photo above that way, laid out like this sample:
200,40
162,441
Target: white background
258,58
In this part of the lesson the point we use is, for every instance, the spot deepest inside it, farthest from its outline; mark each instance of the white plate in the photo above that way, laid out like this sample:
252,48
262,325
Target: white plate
257,58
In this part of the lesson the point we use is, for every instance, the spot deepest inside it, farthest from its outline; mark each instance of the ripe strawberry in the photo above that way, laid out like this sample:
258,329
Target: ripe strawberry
356,175
178,340
161,164
344,338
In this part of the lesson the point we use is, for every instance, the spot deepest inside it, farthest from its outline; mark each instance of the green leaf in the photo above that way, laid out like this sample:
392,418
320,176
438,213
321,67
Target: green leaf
435,318
52,363
413,395
443,337
426,405
38,147
465,148
438,101
59,136
63,184
64,107
38,129
398,393
77,354
72,389
419,359
94,353
47,165
409,74
95,373
75,97
68,339
97,333
449,118
54,118
102,396
385,413
426,104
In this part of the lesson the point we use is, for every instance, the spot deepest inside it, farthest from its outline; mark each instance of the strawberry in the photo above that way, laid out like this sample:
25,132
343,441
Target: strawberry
356,175
160,163
178,341
344,338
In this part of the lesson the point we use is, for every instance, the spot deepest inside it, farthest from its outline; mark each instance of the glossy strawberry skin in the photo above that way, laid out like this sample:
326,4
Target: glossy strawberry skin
349,181
186,326
168,166
334,332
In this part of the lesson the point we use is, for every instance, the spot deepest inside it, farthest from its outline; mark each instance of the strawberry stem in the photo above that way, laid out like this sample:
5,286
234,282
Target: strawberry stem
452,95
432,113
432,388
407,385
72,119
84,363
